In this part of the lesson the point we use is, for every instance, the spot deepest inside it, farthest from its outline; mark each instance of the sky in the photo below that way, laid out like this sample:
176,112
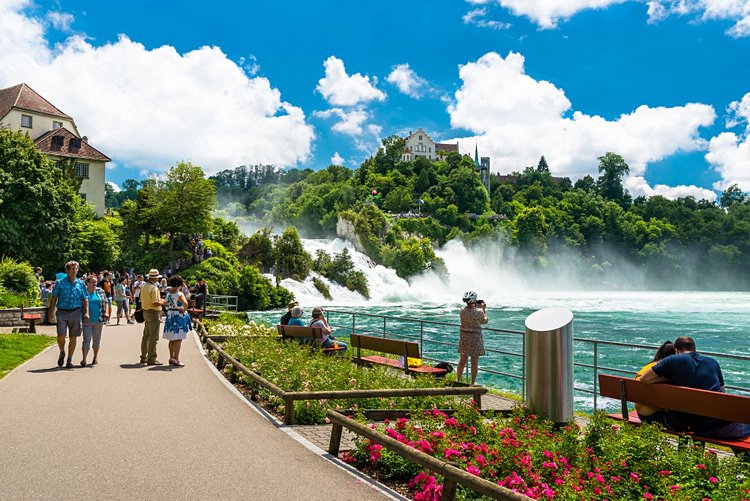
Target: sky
303,83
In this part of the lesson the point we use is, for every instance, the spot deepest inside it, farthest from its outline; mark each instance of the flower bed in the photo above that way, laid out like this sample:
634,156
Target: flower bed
297,368
530,456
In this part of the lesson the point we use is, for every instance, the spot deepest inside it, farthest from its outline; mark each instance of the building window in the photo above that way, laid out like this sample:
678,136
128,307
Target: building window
82,170
26,121
420,138
75,143
57,142
56,125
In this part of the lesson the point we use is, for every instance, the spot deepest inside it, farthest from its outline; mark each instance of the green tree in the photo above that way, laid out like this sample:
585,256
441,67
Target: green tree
731,195
258,251
586,183
612,168
186,199
292,261
37,205
542,165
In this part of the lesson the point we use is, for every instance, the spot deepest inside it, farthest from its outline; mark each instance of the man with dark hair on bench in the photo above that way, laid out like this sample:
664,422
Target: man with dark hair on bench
693,370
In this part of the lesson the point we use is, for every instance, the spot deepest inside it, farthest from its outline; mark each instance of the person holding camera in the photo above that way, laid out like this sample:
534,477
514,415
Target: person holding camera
319,320
470,342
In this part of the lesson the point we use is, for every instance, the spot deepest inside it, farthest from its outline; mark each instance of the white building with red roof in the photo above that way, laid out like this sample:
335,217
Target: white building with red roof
419,144
55,134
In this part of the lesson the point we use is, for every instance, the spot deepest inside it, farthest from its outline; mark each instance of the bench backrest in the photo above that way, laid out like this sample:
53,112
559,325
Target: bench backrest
298,331
677,398
383,345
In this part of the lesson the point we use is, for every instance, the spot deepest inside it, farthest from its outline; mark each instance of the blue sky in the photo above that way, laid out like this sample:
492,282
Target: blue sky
302,83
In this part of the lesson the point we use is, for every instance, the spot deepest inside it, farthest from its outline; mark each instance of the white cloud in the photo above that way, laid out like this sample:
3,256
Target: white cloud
729,152
341,89
155,107
737,11
114,186
477,17
336,159
350,122
61,21
638,186
407,81
547,13
517,119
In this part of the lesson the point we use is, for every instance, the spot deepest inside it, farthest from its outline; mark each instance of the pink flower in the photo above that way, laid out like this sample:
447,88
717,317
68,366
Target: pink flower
450,453
401,423
634,476
713,480
451,422
473,470
701,466
674,488
648,495
665,472
599,479
481,460
597,491
437,434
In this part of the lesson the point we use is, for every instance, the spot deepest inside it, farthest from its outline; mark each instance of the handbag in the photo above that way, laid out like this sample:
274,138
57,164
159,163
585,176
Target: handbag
138,315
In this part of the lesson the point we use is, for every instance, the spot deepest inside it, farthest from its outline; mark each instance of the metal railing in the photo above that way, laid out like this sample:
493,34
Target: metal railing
590,355
216,302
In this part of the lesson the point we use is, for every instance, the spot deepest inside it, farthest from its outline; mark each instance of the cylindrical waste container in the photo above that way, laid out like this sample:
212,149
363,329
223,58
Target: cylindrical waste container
549,363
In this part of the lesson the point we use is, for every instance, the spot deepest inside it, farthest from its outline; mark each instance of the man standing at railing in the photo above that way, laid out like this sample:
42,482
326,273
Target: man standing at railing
693,370
201,293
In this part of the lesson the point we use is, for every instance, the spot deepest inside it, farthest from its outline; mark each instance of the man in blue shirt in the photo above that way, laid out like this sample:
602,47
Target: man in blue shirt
67,301
693,370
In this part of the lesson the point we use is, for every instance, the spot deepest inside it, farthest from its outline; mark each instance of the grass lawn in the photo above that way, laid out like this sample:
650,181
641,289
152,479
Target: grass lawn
15,349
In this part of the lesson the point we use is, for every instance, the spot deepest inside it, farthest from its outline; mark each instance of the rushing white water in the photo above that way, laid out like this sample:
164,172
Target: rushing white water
500,285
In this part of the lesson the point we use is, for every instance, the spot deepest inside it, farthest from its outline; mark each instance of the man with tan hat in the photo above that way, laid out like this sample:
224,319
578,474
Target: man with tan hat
151,303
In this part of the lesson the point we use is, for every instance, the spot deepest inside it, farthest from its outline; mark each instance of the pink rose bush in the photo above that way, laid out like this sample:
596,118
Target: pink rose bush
531,456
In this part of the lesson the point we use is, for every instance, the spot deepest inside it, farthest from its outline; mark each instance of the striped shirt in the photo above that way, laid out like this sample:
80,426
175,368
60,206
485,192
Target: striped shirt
70,295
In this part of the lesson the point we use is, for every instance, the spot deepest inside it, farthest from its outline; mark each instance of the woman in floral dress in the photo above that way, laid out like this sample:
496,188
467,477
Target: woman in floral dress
470,342
178,323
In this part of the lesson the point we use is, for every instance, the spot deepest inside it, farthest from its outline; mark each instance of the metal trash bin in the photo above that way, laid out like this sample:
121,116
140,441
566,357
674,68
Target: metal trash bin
549,363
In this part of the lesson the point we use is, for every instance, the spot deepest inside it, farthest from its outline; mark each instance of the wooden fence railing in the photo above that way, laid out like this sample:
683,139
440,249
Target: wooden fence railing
453,475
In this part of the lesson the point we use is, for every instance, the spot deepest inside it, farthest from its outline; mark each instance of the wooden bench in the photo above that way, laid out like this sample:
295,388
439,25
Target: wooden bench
300,332
712,404
31,319
405,349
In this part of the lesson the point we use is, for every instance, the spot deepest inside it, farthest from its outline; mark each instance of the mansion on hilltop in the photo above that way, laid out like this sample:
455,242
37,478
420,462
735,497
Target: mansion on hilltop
55,134
419,144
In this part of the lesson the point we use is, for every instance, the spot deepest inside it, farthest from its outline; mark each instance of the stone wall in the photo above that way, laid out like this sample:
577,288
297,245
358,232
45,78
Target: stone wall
11,317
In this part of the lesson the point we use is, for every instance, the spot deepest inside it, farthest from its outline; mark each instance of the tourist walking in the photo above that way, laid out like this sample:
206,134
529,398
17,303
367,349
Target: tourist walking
201,293
106,285
136,291
470,341
67,304
121,298
151,303
178,323
98,314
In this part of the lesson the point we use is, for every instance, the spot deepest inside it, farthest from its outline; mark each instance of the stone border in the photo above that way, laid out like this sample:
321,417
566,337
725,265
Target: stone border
11,317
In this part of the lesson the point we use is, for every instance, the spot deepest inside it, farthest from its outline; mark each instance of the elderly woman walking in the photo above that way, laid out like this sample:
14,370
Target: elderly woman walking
98,314
470,342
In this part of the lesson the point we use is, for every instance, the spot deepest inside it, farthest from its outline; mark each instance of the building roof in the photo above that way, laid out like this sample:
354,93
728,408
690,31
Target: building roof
24,97
85,152
418,131
446,146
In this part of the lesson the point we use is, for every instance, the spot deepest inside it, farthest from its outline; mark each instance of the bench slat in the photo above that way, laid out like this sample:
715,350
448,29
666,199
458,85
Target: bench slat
298,331
710,404
383,345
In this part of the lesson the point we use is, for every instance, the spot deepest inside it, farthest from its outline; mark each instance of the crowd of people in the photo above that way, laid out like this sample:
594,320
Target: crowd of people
83,306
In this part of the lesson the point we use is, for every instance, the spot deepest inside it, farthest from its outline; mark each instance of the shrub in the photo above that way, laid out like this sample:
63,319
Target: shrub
531,456
218,250
322,288
295,367
219,274
19,284
340,269
256,292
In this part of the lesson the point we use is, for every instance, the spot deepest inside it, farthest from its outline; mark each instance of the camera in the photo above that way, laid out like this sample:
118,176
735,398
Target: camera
480,301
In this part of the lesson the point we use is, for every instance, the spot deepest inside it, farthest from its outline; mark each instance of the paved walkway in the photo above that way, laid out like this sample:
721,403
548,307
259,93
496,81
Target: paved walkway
121,430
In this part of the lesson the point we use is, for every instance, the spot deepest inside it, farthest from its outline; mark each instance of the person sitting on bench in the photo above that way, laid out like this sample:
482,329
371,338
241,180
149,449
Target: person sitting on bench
693,370
296,316
650,414
318,320
288,315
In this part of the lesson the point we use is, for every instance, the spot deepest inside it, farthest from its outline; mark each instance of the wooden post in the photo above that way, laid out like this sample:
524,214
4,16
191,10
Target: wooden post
288,410
478,400
232,374
449,490
624,402
335,443
220,363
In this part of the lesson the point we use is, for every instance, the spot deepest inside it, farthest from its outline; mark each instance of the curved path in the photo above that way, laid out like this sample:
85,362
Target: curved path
121,430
